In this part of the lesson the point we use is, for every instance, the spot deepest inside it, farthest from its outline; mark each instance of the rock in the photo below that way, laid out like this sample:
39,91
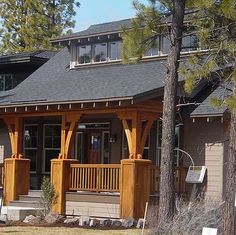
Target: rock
106,223
84,220
94,223
117,223
3,219
72,220
127,223
140,223
53,218
32,219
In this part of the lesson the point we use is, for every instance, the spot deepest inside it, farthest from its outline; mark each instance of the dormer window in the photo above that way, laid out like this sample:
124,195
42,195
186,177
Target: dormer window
100,52
84,54
6,82
115,50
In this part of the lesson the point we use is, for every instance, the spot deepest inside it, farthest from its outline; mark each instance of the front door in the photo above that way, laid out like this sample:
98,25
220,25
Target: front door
94,148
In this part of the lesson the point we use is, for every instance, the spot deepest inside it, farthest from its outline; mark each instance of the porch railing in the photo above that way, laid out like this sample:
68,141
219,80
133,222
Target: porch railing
106,177
95,177
179,179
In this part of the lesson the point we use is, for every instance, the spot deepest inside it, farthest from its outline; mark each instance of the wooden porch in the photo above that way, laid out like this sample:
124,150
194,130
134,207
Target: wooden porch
134,179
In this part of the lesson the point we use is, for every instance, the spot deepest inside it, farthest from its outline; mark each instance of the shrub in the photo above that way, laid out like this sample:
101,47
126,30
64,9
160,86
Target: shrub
191,217
48,197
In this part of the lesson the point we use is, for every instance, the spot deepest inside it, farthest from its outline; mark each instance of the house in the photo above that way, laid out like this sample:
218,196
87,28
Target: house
93,125
15,68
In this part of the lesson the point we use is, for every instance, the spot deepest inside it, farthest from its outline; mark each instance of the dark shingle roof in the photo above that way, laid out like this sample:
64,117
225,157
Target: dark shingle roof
44,54
114,26
56,82
206,108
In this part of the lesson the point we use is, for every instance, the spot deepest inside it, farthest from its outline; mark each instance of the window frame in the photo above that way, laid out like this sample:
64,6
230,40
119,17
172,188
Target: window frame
44,149
34,148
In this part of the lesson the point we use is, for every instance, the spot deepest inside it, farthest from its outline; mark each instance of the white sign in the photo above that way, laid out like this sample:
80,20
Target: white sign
195,174
209,231
1,154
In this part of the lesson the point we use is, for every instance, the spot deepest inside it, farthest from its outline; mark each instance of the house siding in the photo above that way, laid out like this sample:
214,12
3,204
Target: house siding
204,141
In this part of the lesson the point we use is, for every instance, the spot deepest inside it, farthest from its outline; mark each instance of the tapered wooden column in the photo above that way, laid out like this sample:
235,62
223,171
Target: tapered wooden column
134,187
17,169
60,168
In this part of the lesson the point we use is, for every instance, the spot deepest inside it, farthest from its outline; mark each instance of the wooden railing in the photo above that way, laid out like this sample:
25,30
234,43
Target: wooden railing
106,177
179,179
95,177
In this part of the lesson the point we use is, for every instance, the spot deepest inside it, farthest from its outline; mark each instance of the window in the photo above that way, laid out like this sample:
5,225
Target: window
159,139
105,147
79,150
165,45
100,52
31,145
84,54
189,43
115,50
155,50
52,144
6,82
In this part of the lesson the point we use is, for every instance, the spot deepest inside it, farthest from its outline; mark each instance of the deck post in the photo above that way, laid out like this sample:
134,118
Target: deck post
16,168
17,178
60,178
134,187
60,168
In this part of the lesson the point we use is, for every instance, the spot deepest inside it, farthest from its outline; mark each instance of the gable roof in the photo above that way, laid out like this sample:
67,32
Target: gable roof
55,82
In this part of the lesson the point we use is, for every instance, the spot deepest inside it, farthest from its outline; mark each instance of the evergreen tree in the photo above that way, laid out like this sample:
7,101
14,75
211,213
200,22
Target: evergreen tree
142,36
29,24
215,24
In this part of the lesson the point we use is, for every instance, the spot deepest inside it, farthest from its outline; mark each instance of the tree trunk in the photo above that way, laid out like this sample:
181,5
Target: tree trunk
229,207
166,205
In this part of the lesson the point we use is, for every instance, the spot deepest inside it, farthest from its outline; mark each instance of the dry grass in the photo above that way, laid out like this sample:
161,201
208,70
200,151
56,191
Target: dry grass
30,230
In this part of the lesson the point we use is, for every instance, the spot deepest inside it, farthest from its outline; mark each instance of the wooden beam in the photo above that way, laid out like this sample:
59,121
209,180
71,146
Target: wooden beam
66,135
128,134
15,131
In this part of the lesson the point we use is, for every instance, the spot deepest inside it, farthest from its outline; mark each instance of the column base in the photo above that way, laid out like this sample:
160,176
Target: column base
134,187
17,178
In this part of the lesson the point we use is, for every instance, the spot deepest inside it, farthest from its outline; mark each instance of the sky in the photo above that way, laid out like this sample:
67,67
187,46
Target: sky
101,11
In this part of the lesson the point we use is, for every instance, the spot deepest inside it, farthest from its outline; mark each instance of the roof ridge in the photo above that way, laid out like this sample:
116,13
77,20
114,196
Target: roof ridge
109,22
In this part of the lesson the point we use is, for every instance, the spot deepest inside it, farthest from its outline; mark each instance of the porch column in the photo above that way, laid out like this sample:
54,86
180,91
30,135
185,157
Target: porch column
135,171
17,169
60,168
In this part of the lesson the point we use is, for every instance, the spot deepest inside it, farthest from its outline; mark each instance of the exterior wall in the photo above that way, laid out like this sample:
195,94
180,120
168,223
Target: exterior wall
204,141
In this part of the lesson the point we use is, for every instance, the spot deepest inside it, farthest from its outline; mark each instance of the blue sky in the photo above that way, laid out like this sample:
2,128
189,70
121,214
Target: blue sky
100,11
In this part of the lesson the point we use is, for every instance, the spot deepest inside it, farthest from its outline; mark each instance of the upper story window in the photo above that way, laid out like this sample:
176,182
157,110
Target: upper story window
84,54
111,50
6,82
115,50
100,52
189,43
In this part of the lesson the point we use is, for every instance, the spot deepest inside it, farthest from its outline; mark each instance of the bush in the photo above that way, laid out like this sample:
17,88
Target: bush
190,218
48,197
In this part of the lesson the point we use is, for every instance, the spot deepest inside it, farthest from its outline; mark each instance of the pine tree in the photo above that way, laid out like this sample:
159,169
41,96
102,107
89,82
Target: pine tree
145,28
29,24
215,24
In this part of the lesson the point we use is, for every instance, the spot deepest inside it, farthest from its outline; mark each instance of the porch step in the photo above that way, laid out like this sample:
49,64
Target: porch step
28,198
35,193
27,204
